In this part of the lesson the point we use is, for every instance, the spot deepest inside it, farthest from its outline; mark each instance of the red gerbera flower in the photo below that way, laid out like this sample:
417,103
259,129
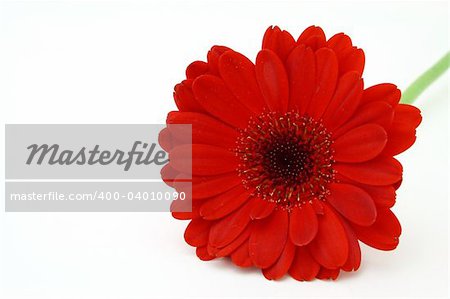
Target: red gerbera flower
292,159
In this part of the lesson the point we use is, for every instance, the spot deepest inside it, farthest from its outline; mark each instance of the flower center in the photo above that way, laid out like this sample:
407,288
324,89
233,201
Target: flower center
286,158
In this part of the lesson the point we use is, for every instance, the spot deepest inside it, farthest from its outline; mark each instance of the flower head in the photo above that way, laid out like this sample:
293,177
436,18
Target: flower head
292,159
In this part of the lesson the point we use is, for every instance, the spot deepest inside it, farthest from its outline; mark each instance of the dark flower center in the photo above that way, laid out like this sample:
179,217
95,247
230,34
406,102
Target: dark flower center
286,158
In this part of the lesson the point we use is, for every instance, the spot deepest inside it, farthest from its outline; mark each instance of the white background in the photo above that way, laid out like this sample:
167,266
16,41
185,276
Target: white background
117,62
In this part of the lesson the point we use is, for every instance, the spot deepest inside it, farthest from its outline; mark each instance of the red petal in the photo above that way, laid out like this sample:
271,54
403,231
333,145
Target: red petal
354,251
330,246
225,251
303,225
353,203
272,80
240,256
215,98
282,265
202,159
326,79
353,60
399,140
261,209
407,115
350,58
383,234
304,267
202,187
301,67
318,206
402,133
345,100
213,58
325,273
268,239
225,203
195,69
195,207
386,92
238,73
280,42
360,144
185,205
339,43
179,134
165,139
229,228
208,186
397,184
383,196
184,98
379,172
378,112
313,37
197,231
204,129
203,254
168,174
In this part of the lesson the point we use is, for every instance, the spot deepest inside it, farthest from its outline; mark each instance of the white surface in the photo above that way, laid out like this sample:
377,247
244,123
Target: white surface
117,62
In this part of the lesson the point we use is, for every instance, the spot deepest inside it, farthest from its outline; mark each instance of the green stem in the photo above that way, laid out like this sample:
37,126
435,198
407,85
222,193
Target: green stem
425,80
